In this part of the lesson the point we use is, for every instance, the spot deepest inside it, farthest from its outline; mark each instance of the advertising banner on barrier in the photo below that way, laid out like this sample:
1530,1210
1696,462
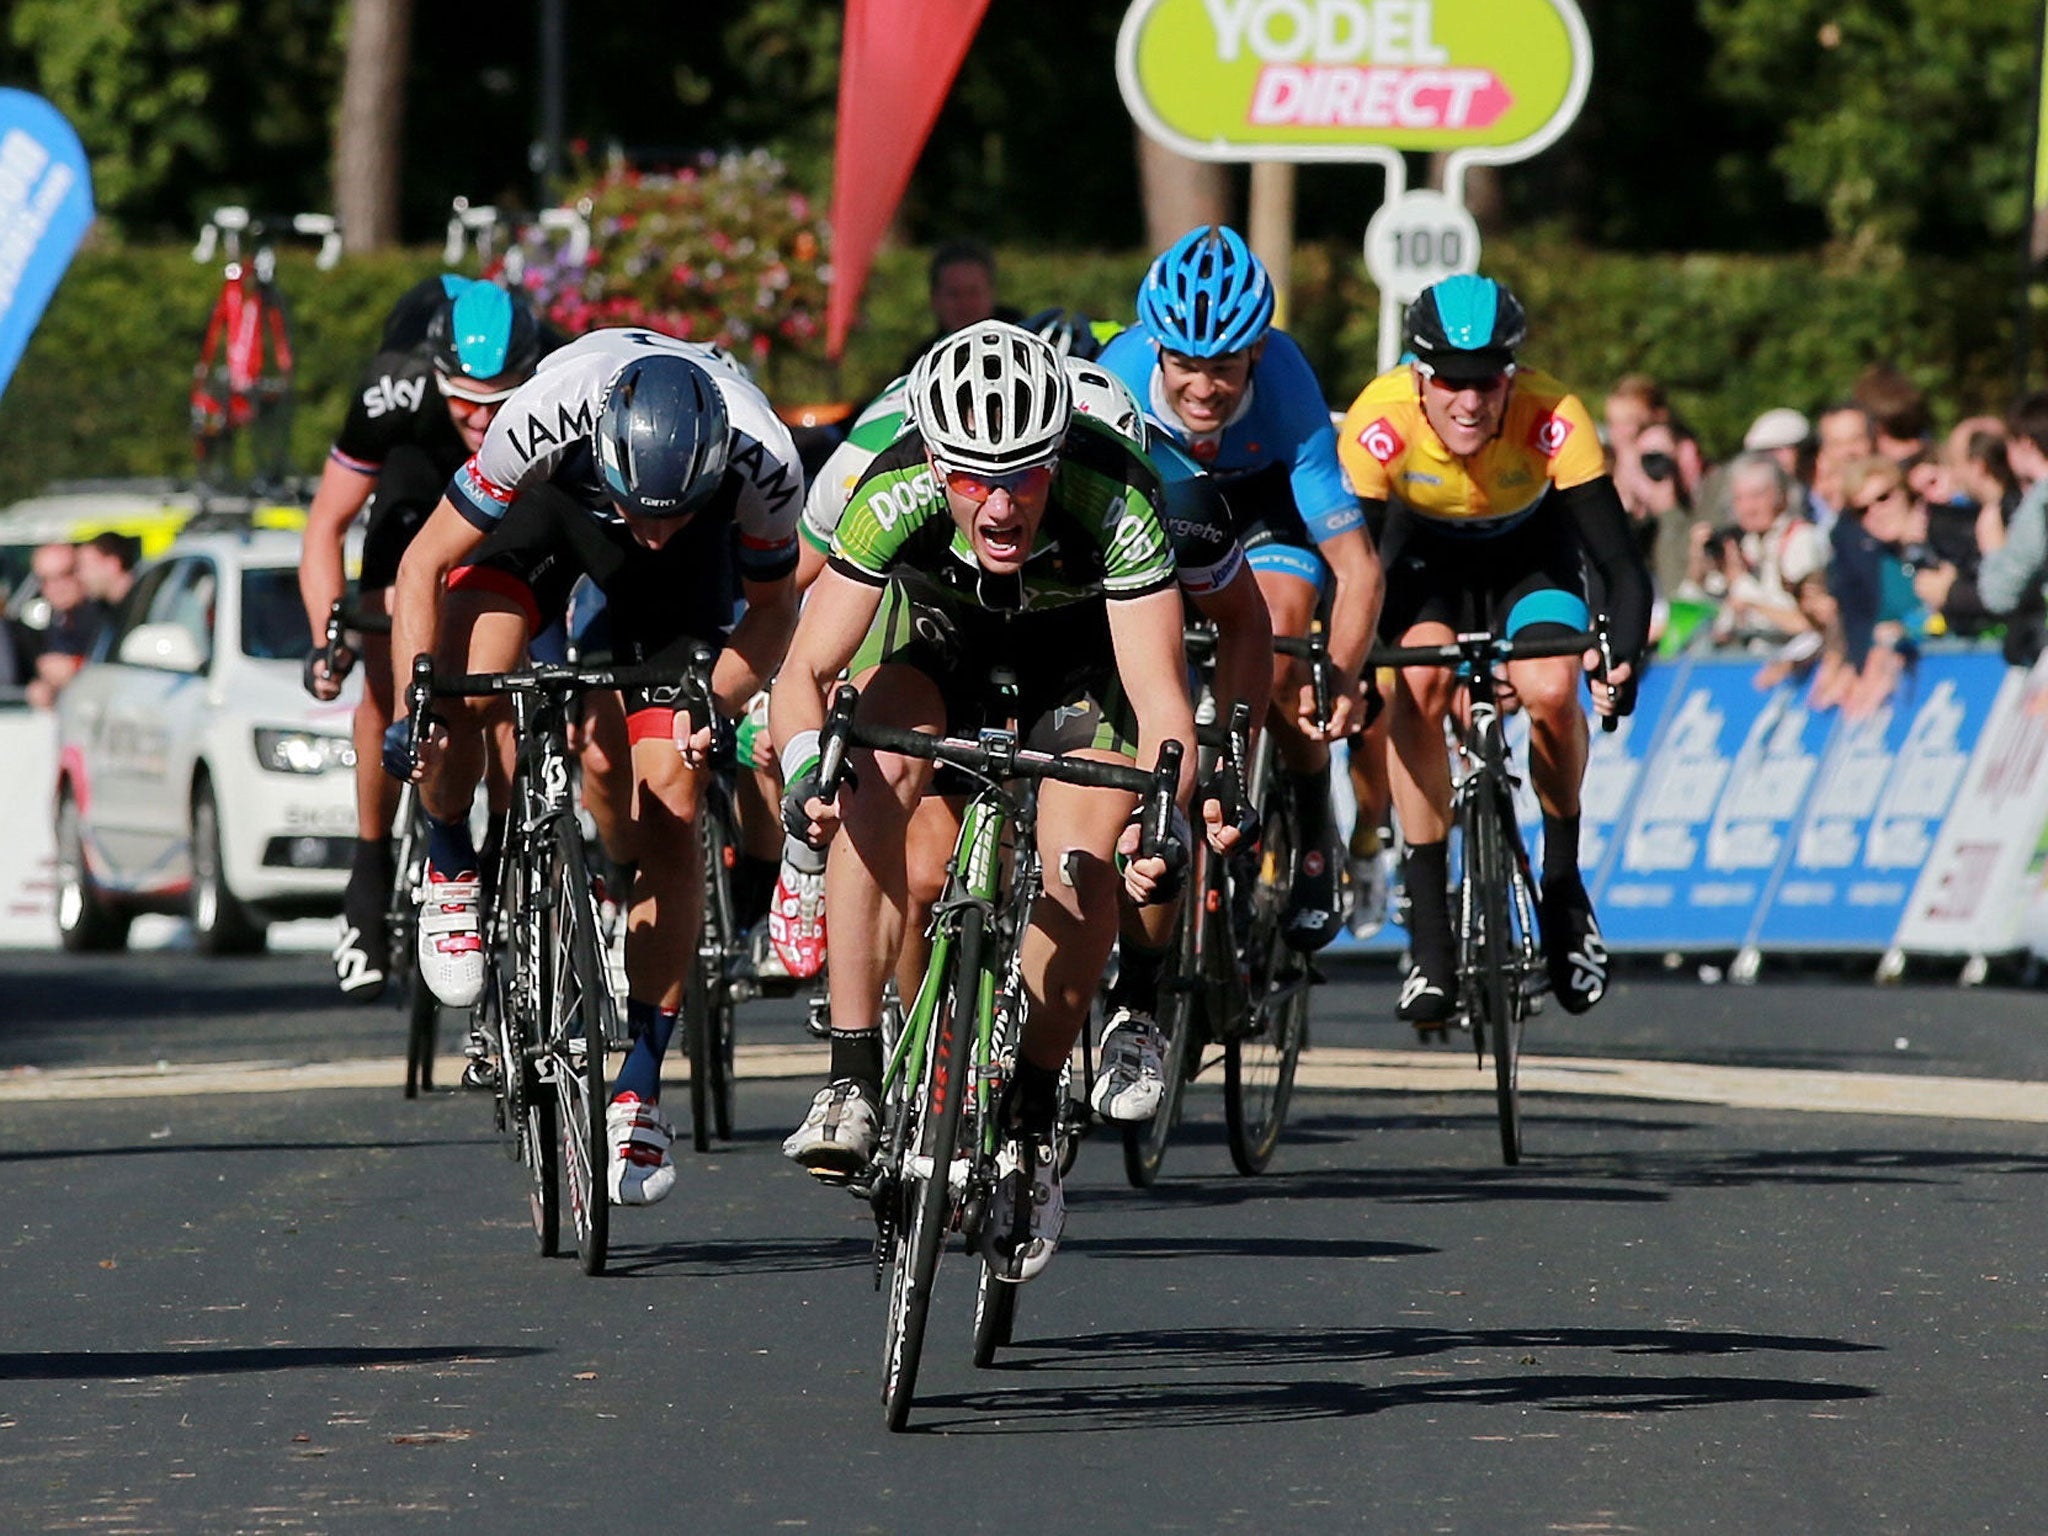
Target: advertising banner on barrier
1728,774
1876,809
45,206
1972,893
28,850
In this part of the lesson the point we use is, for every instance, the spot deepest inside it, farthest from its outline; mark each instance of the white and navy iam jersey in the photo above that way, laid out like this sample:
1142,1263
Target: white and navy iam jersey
542,434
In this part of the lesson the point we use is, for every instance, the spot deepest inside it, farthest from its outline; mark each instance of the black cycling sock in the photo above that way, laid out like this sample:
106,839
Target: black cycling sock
1425,871
1312,805
857,1053
449,849
369,879
1033,1100
753,887
1137,978
1560,848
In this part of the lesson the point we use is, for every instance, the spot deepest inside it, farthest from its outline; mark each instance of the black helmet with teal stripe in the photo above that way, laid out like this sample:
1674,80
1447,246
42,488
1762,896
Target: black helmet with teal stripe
1465,325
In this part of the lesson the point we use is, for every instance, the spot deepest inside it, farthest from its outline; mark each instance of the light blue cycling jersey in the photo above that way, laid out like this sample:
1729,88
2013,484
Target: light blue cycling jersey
1281,420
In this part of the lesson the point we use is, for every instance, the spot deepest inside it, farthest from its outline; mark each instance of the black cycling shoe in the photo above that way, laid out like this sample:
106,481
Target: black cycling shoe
1315,903
1573,951
1426,1000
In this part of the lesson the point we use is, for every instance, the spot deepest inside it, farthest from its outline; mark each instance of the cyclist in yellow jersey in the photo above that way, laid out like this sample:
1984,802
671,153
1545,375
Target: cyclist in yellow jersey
1497,502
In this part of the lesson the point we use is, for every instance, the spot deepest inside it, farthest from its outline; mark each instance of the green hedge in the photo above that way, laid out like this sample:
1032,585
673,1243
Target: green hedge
103,387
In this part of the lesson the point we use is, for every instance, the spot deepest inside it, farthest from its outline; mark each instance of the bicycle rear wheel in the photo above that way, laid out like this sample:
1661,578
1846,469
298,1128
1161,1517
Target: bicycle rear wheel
925,1197
1488,944
1259,1060
580,1025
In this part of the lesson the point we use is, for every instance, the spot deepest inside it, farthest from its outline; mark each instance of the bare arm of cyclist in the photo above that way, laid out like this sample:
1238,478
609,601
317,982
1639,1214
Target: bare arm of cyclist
443,542
1354,614
322,579
836,616
757,644
1145,633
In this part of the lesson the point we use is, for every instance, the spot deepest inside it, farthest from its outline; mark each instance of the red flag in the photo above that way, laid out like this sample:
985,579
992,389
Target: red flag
896,64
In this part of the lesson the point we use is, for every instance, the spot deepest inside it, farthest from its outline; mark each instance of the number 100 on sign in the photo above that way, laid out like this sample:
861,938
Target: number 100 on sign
1419,238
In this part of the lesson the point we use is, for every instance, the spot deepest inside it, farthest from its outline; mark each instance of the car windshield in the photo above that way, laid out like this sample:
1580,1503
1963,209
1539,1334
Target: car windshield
273,618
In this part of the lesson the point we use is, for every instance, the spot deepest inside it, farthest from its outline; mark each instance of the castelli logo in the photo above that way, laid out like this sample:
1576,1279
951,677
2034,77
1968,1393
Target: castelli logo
1549,434
1382,441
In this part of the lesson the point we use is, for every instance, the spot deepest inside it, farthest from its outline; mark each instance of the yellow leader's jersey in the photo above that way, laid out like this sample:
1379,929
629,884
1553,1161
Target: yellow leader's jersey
1392,454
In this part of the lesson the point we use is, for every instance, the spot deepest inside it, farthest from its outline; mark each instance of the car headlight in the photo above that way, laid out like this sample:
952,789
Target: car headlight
303,751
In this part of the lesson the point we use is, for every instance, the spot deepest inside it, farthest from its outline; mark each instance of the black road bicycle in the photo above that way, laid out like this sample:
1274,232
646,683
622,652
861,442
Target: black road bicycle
1501,975
547,998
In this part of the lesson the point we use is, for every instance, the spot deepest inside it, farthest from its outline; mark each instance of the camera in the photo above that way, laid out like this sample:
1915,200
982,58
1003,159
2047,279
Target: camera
1660,466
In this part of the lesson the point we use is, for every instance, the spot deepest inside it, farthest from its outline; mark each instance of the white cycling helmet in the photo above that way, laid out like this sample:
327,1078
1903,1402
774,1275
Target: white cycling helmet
991,399
1099,393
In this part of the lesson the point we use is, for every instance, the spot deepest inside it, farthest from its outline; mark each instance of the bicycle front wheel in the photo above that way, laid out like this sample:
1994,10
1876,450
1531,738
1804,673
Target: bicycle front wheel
1180,1050
924,1182
1260,1059
580,1024
1489,945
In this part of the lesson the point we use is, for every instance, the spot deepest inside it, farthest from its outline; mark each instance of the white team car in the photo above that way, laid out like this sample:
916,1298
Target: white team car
195,774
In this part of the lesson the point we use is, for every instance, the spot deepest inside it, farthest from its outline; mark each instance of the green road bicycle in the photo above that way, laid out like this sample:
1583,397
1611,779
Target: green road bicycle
935,1170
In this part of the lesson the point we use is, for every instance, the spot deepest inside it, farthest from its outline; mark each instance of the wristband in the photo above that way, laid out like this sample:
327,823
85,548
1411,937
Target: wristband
800,756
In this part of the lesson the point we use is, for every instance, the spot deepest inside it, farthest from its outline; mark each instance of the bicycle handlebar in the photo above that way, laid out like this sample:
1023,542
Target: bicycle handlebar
1484,648
226,225
1314,648
996,755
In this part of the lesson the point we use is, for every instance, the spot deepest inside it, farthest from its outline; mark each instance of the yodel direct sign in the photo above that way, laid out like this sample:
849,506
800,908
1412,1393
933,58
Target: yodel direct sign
1342,79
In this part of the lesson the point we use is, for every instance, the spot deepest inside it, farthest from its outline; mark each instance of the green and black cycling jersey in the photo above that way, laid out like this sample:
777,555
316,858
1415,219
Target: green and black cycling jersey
1102,537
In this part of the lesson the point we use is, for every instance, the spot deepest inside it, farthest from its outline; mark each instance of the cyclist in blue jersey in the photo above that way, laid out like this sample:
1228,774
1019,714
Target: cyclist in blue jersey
1237,395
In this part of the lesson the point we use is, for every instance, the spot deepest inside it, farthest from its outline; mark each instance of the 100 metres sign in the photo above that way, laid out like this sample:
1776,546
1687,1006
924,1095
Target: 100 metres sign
1348,79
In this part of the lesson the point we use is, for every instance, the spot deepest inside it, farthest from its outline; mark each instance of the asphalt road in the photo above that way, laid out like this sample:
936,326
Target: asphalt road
315,1307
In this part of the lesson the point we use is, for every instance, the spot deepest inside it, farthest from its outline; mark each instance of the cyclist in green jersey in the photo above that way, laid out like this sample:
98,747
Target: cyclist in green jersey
1003,531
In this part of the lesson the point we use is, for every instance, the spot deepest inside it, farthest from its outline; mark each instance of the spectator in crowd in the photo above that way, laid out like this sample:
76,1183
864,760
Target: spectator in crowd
1984,496
1900,422
1636,403
1659,506
73,627
963,290
1771,564
106,566
1787,436
1878,550
2010,576
1844,434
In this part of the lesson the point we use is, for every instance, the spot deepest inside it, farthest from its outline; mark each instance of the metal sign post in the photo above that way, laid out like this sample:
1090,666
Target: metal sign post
1489,81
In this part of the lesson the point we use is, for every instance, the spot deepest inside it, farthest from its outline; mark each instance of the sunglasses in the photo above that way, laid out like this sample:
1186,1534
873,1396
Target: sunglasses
1022,484
1485,383
1881,498
470,391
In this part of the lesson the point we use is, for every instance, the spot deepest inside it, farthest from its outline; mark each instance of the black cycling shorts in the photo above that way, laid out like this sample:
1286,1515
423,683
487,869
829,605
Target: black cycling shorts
1062,688
1439,575
659,602
410,484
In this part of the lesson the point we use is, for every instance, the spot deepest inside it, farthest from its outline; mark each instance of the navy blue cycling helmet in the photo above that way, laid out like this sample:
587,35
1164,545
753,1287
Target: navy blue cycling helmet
1207,294
1465,326
662,436
1071,333
482,332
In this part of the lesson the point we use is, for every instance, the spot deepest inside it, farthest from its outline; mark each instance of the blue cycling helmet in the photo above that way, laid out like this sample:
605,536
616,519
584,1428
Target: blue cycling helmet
1207,294
1465,325
482,332
662,436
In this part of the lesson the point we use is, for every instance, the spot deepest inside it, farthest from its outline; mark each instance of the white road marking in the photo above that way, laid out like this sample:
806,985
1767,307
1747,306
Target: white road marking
1451,1070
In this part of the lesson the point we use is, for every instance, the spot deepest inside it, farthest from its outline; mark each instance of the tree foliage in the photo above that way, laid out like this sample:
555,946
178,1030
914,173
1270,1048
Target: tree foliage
1906,122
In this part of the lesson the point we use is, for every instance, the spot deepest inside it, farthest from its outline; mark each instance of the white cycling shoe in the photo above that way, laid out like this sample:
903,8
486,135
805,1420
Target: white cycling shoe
838,1135
1132,1080
639,1170
1027,1172
451,941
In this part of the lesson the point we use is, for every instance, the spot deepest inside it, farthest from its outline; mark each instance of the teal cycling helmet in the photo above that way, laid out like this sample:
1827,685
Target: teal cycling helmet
1465,325
1207,294
483,332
